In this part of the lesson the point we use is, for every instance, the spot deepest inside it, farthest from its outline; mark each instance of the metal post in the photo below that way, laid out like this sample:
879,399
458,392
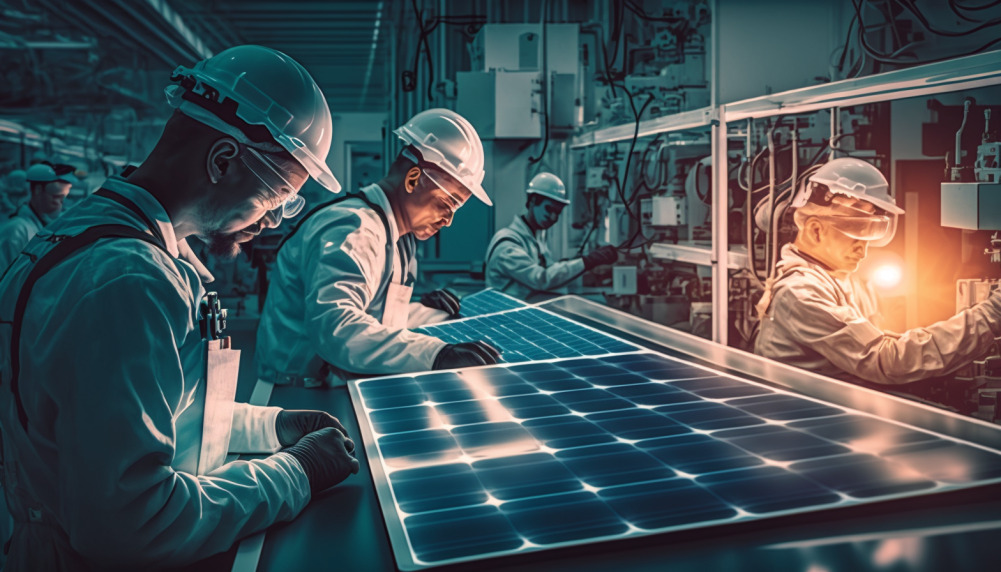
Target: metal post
720,208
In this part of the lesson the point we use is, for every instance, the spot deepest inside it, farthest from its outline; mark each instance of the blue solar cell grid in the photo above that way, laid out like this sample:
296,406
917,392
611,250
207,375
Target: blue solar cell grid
483,462
530,334
488,301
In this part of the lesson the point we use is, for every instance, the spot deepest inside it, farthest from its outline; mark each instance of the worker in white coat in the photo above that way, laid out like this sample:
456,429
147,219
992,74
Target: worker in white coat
48,191
816,314
518,261
15,191
339,304
117,416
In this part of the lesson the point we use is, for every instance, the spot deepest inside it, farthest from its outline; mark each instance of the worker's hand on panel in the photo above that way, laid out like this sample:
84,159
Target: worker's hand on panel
601,255
292,425
442,300
326,457
466,354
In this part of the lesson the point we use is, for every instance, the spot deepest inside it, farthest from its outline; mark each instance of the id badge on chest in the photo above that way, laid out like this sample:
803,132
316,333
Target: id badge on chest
397,309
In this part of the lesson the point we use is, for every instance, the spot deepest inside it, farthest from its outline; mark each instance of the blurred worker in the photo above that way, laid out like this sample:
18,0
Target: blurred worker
48,191
816,314
339,301
518,259
117,413
15,191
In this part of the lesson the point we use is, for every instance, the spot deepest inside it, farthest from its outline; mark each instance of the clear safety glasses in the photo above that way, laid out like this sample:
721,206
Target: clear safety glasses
276,179
452,202
872,227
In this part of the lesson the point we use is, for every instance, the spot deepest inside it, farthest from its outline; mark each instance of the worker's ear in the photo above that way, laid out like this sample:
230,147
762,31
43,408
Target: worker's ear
410,179
217,161
814,231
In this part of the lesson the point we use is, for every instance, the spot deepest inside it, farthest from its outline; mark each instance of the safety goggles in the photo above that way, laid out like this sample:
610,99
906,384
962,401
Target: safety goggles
275,178
872,227
452,202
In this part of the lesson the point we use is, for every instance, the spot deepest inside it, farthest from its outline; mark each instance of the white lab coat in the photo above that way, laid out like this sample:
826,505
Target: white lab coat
16,231
112,363
519,264
812,321
327,296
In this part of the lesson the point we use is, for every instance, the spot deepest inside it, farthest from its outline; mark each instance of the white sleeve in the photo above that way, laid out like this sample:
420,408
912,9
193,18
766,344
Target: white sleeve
121,502
855,345
254,429
421,315
343,263
513,261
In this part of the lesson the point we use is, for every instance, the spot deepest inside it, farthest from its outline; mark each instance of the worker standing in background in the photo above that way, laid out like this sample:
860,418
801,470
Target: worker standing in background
48,191
816,314
15,191
339,301
115,444
518,260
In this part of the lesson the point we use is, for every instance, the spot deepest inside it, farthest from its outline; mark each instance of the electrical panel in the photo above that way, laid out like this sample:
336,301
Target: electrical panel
502,104
668,211
518,47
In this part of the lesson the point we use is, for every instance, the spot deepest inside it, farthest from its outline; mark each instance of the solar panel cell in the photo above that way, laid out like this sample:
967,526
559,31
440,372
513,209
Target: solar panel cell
496,460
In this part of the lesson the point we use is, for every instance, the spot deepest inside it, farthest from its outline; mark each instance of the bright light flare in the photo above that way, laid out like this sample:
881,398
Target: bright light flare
887,276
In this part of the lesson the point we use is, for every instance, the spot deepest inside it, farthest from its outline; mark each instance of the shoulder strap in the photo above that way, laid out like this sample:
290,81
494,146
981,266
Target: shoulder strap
387,273
378,210
65,246
153,227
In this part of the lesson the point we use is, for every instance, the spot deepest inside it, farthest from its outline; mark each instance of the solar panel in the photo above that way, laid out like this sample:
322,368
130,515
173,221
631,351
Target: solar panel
488,301
530,334
483,462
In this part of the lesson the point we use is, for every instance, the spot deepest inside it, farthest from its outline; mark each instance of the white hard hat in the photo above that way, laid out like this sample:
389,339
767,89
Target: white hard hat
41,173
447,140
856,179
260,96
548,185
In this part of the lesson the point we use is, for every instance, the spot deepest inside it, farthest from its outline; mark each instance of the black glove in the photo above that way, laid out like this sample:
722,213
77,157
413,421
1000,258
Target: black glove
466,354
325,456
292,425
442,300
601,255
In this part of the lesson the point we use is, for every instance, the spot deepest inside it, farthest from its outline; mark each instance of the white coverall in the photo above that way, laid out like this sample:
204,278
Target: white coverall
322,321
518,263
113,365
815,322
16,231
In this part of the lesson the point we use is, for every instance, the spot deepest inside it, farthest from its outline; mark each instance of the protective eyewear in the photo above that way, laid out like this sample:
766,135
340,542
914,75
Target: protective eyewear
276,179
453,203
873,227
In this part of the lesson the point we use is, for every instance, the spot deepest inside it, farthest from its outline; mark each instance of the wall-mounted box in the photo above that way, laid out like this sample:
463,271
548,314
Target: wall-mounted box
502,104
971,206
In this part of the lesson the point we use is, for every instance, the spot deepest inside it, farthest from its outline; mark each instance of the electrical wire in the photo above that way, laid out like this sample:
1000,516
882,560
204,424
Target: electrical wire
974,8
893,58
909,5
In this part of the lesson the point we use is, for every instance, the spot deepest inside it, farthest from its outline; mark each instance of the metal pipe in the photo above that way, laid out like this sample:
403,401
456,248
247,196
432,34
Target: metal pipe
771,197
958,157
748,210
192,54
720,241
835,131
778,213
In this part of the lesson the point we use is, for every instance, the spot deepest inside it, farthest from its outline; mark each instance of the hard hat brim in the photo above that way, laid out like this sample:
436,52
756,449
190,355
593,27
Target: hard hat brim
561,200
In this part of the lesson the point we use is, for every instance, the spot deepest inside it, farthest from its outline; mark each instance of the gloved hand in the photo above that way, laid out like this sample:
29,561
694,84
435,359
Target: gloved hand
601,255
442,300
292,425
325,456
466,354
